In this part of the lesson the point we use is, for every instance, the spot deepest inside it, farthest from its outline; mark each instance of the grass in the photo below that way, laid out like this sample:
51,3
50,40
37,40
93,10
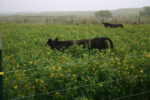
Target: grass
32,68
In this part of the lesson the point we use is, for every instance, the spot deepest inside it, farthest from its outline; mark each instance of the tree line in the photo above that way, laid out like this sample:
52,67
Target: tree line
106,13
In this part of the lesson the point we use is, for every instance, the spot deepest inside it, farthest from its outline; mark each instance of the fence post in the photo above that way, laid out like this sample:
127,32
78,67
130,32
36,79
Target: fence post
1,73
24,21
139,21
47,20
6,20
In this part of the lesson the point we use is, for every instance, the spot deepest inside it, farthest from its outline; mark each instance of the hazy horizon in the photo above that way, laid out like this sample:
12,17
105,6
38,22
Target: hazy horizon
17,6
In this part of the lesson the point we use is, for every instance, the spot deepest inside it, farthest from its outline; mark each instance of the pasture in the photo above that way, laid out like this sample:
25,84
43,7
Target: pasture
35,72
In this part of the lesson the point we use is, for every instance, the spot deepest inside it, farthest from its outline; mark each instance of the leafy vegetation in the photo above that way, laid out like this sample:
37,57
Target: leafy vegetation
145,12
35,72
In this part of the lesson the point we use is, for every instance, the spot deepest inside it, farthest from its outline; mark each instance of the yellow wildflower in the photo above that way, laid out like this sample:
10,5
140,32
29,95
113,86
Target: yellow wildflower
53,68
1,73
100,84
25,86
16,87
85,98
57,93
59,68
42,54
36,80
109,50
69,70
93,69
119,63
132,67
30,62
61,74
86,80
145,52
42,81
74,75
17,66
33,87
83,73
136,76
101,53
48,53
52,75
141,71
100,66
59,80
148,55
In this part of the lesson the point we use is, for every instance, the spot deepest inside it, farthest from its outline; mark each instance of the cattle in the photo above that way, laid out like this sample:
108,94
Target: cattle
113,25
59,45
106,24
97,43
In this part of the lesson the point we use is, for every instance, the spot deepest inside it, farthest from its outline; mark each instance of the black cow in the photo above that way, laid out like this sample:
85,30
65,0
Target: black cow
113,25
59,45
99,43
106,24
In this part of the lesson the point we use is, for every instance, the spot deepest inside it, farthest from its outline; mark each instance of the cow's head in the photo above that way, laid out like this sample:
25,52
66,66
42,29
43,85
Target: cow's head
52,43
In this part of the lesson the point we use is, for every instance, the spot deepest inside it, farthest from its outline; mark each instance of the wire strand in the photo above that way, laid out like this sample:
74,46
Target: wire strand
87,61
76,87
136,94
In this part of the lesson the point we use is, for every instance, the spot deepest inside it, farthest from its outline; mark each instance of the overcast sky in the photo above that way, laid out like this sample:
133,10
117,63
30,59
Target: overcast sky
12,6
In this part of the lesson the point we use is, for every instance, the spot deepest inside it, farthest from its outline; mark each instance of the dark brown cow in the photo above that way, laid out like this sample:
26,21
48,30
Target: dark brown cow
113,25
98,43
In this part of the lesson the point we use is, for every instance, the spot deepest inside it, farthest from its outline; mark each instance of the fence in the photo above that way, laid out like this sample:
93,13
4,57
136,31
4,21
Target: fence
83,86
107,82
1,73
72,20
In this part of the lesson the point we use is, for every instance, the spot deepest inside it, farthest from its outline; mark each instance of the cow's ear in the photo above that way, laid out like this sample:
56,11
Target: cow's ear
49,40
56,39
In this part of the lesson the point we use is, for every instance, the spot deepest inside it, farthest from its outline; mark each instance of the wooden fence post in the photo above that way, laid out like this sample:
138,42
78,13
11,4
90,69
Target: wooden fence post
47,20
139,21
1,72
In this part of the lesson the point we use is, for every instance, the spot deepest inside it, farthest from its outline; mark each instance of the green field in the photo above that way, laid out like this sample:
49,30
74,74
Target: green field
35,72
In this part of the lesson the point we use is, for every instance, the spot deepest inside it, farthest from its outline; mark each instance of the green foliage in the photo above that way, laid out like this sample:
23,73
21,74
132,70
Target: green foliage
103,13
78,73
145,12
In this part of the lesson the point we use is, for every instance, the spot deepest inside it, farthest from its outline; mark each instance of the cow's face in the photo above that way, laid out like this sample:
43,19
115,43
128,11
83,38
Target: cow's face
52,43
49,42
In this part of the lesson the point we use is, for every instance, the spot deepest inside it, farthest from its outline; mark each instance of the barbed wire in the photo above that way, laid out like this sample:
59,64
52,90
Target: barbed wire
87,61
76,87
8,72
59,72
136,94
89,77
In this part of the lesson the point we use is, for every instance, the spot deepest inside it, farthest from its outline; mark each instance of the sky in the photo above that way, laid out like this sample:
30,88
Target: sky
13,6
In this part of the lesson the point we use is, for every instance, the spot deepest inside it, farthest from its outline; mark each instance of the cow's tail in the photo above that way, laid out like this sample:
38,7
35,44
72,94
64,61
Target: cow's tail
111,43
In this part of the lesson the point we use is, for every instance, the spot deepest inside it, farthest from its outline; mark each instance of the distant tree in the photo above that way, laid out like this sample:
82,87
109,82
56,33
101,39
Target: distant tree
103,13
145,11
